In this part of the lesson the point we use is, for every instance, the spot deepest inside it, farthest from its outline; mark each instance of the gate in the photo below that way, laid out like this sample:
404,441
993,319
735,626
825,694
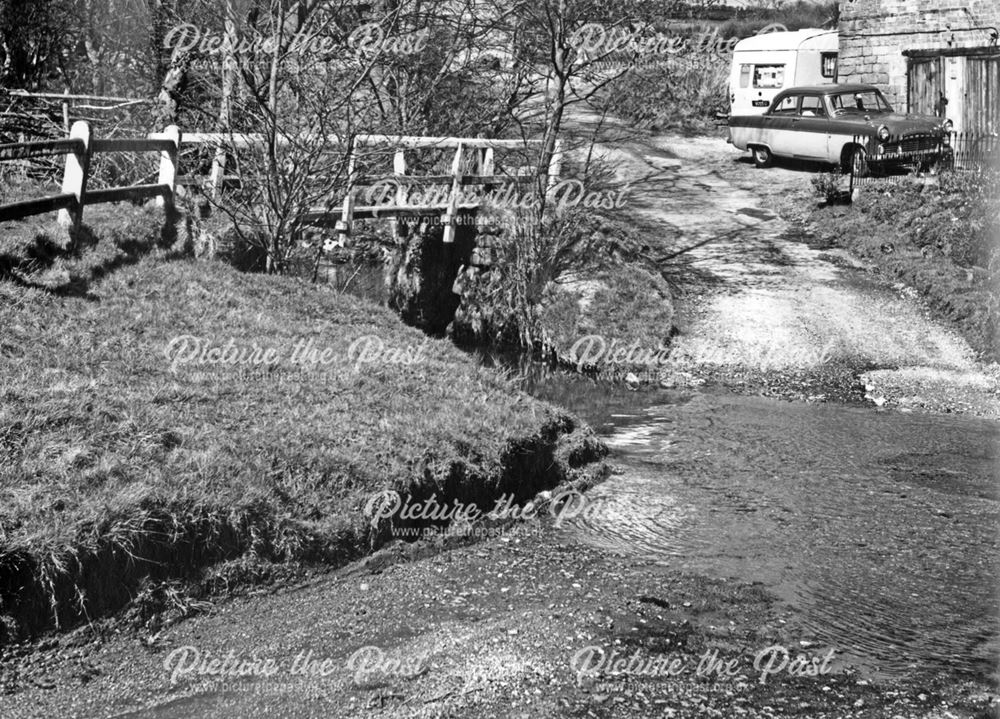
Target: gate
982,95
925,85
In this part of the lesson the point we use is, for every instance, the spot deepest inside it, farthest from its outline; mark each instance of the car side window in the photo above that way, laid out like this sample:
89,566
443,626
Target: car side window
787,106
812,106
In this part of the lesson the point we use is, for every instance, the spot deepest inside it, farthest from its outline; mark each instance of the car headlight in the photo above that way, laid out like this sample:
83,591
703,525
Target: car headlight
884,134
948,125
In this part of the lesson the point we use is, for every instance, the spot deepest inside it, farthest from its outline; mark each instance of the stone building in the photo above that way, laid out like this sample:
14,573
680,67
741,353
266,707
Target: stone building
936,57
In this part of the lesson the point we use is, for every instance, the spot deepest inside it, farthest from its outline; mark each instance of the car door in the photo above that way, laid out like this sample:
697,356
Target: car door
778,123
810,126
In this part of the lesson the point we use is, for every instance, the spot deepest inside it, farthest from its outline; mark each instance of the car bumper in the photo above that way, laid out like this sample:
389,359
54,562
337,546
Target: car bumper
912,156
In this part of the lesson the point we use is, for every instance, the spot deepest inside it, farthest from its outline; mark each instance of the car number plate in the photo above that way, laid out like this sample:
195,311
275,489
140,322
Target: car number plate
760,103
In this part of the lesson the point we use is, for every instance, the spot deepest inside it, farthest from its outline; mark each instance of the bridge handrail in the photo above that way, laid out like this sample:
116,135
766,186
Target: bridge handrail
80,146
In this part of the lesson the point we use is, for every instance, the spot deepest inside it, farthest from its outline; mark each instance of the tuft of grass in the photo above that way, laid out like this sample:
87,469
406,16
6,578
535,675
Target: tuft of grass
36,252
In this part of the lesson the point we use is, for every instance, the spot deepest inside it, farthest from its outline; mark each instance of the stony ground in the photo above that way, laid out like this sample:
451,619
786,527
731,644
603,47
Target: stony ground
500,628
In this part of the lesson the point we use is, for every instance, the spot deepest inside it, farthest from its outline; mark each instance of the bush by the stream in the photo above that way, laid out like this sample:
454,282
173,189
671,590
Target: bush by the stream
578,274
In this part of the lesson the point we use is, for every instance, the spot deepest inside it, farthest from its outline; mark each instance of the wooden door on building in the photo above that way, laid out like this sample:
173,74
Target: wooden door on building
925,80
981,106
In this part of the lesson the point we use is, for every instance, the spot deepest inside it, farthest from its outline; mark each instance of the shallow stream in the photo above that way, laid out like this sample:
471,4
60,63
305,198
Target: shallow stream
878,528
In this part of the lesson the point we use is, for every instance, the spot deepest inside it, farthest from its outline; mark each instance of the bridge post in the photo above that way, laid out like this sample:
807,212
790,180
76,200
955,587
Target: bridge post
343,226
75,176
218,172
399,169
456,188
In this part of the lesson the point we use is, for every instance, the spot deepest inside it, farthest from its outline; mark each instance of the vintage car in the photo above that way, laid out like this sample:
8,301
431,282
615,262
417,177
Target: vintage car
853,126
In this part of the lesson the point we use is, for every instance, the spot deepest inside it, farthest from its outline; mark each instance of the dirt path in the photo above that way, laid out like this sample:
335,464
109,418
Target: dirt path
760,301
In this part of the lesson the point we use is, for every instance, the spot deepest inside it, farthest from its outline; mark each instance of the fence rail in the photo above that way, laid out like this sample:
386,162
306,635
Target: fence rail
78,148
41,148
81,146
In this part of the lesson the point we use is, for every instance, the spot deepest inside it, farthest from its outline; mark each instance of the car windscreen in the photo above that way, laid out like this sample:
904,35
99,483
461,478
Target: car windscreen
862,101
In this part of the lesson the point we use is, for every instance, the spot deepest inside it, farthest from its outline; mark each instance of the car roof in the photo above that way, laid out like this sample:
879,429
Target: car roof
831,89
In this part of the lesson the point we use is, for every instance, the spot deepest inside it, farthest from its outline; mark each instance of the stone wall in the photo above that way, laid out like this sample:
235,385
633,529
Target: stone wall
880,60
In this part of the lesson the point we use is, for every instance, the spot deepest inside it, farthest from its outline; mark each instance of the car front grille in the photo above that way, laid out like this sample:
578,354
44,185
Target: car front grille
915,143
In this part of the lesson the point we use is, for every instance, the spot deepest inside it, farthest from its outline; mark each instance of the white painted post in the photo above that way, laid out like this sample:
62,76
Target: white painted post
343,226
399,170
168,167
65,111
75,176
218,172
487,167
456,188
555,165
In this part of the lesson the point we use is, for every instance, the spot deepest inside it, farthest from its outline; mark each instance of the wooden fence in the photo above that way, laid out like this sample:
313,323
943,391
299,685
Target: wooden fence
81,145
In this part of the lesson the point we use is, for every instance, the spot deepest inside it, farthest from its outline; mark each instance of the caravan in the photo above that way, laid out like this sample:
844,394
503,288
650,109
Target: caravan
764,65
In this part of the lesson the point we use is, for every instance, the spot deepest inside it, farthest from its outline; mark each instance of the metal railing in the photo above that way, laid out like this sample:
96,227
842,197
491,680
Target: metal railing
873,163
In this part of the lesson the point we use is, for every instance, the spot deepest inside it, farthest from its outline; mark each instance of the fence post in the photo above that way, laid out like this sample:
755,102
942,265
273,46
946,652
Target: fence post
456,188
168,167
75,176
850,189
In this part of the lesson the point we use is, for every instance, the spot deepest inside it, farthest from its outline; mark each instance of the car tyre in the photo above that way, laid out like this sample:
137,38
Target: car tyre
858,162
762,156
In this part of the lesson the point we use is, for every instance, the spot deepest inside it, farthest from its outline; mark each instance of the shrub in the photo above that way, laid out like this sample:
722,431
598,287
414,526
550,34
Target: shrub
830,186
680,98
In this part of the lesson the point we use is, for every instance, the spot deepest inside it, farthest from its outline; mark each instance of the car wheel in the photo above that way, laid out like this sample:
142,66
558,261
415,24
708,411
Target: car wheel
762,157
859,162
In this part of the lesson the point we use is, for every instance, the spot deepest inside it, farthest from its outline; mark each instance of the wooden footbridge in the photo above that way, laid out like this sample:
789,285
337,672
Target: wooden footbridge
473,163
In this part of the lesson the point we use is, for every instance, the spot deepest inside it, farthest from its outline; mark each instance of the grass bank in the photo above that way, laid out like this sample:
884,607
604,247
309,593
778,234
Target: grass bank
941,239
135,446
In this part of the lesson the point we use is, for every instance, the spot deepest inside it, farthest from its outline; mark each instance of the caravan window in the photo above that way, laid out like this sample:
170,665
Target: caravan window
829,64
769,76
745,71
